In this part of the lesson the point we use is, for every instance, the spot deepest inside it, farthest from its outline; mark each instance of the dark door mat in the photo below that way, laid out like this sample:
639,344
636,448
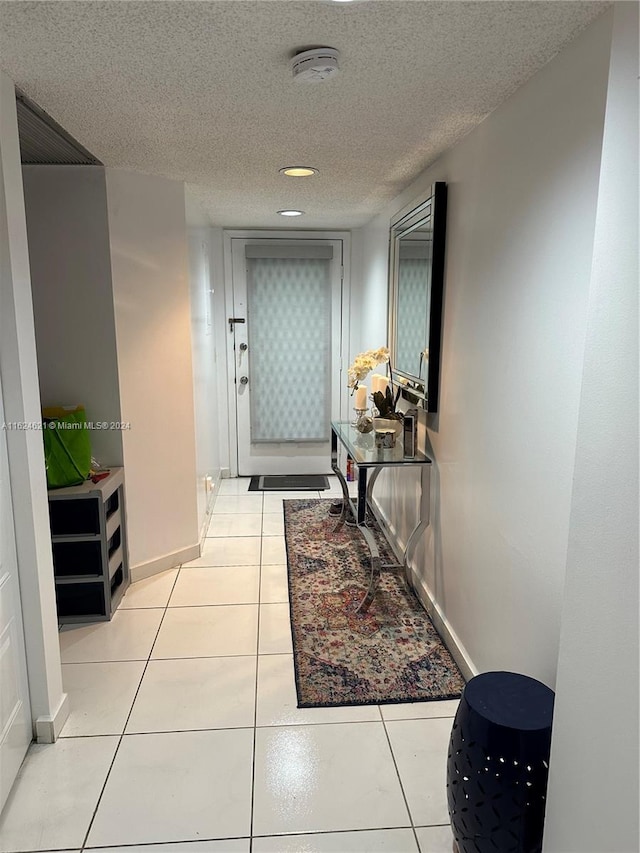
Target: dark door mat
289,483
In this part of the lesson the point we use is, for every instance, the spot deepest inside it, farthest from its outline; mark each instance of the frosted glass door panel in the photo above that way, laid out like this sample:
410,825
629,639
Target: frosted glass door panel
286,330
289,333
413,312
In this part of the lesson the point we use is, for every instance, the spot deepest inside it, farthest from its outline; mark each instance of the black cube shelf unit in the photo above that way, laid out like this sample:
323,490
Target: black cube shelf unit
89,543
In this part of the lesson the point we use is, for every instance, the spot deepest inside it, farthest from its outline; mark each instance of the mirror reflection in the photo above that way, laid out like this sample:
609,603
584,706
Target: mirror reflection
414,296
416,284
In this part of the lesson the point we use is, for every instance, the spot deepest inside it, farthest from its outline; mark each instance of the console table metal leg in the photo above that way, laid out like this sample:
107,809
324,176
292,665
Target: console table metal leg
374,575
345,498
365,491
364,494
411,543
372,480
422,522
343,483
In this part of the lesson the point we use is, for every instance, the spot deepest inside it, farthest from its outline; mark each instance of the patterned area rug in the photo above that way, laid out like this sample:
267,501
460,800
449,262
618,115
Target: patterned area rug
392,653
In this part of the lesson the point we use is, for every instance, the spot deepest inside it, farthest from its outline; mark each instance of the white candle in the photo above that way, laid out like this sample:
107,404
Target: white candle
361,397
383,383
374,383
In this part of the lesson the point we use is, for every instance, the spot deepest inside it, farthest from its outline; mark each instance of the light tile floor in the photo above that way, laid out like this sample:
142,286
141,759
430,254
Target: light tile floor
184,735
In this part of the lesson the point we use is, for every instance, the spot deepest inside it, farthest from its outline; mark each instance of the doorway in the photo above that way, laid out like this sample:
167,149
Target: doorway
286,332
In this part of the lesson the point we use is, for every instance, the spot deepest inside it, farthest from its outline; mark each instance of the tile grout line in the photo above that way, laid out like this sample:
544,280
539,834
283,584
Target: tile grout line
122,735
149,844
255,701
404,796
352,830
250,726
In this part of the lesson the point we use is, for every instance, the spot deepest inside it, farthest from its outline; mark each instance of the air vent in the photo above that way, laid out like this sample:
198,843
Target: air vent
44,142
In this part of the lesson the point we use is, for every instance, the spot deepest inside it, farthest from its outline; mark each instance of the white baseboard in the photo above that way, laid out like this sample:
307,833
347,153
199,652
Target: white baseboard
205,525
215,488
47,727
440,621
442,626
167,561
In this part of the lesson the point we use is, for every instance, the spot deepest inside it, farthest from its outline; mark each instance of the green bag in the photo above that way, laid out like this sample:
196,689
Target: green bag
67,447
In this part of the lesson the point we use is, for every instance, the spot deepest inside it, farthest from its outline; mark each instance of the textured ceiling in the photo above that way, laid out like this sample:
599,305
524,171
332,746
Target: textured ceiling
202,91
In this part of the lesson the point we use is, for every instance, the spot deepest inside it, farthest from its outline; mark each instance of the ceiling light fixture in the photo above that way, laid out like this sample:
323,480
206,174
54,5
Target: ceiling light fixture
290,212
298,171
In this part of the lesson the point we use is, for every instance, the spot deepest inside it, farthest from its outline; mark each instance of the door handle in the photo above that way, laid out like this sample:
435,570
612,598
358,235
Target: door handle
244,380
244,347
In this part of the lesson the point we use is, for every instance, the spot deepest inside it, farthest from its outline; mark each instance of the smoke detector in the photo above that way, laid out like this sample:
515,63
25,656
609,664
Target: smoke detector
316,65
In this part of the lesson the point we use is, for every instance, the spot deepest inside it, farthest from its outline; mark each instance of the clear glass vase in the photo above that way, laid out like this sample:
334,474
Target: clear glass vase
363,422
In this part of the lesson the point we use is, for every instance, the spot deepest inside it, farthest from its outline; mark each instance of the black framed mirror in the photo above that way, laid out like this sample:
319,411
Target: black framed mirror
416,281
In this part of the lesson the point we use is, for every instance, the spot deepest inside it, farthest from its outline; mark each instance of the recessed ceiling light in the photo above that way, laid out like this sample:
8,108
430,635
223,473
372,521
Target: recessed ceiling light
298,171
291,212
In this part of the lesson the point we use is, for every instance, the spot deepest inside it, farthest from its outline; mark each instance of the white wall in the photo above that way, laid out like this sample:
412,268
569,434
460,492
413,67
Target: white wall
49,705
150,270
371,301
220,334
68,236
205,381
593,785
521,214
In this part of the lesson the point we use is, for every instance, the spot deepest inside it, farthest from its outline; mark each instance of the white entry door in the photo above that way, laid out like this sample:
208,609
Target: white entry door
15,710
287,322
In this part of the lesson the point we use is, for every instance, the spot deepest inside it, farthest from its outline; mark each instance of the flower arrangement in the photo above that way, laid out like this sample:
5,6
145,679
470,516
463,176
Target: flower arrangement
363,364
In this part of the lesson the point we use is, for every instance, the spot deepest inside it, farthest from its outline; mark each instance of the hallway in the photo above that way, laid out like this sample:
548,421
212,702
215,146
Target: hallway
184,726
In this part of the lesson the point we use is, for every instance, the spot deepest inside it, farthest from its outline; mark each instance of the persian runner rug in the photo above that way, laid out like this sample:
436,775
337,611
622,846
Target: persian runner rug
391,653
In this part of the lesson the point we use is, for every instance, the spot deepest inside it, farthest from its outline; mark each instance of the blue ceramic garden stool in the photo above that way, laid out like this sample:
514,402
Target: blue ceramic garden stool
498,764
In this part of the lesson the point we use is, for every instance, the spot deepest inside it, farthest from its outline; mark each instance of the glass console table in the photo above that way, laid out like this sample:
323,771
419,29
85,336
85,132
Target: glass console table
370,459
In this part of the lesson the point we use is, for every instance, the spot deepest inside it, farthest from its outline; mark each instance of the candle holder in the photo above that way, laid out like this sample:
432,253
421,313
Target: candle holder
363,423
374,410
